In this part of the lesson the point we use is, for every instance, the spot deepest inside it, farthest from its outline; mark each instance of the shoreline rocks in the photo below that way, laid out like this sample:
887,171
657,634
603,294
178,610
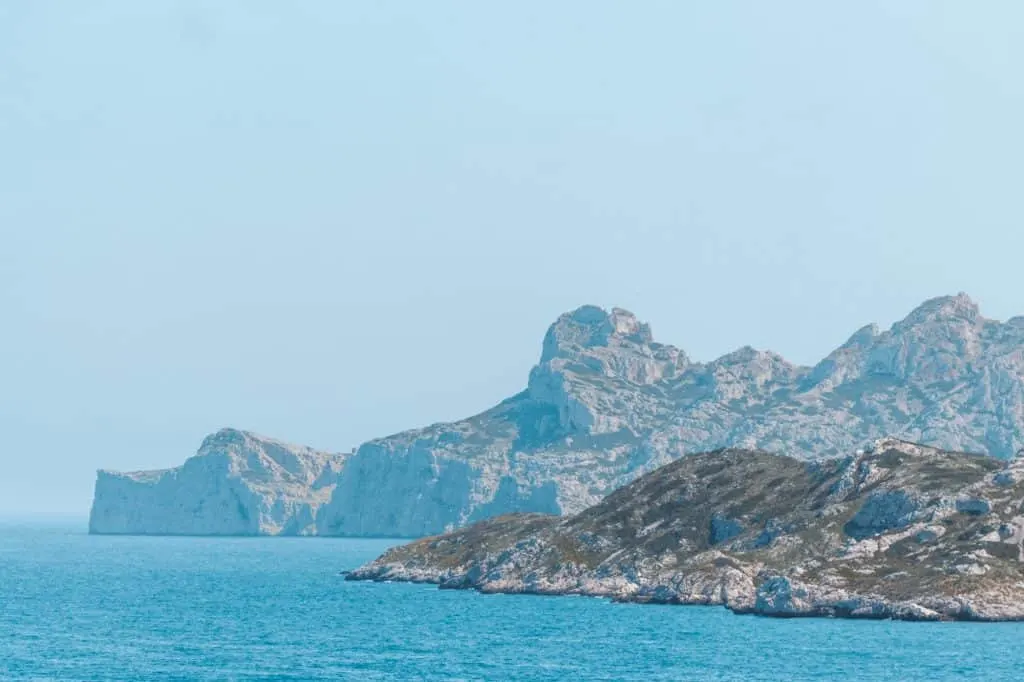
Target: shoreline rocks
654,541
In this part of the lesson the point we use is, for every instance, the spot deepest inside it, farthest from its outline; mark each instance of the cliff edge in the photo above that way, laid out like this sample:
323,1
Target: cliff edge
238,483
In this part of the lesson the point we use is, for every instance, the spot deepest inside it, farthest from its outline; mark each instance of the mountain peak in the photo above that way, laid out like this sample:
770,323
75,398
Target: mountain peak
237,440
591,326
624,323
229,436
941,309
223,437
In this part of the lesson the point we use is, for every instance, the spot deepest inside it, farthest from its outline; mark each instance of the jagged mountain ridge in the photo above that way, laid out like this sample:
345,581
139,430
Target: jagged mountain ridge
606,403
897,531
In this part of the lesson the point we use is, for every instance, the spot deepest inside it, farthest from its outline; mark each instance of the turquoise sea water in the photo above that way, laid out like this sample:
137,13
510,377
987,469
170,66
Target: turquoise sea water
75,607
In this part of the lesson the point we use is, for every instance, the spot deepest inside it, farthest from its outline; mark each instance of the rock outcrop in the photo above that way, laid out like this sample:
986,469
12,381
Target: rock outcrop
606,404
238,483
901,531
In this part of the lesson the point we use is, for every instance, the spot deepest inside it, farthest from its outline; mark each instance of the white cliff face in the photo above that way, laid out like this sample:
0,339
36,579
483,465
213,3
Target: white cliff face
238,483
606,404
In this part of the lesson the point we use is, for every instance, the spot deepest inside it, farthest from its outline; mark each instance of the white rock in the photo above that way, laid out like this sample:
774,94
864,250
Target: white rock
606,403
238,483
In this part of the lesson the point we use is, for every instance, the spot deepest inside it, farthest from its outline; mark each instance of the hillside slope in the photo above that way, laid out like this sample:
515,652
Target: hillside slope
902,531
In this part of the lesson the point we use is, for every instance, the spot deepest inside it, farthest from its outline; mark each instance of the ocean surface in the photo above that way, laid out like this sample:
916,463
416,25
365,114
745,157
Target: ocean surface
75,607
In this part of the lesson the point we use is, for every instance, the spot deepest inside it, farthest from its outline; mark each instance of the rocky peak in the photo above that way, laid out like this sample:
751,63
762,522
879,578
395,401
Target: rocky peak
229,441
748,355
845,362
223,438
625,325
748,371
613,344
592,327
589,356
936,342
940,341
862,338
942,310
251,454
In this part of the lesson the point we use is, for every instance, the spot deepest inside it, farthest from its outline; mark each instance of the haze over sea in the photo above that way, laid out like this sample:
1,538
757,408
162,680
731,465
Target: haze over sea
74,606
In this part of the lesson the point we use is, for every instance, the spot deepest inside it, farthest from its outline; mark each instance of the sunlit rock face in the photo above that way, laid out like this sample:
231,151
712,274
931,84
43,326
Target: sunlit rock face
606,403
238,483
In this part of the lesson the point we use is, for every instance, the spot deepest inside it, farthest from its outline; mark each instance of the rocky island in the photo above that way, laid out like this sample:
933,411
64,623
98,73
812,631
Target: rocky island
901,531
606,403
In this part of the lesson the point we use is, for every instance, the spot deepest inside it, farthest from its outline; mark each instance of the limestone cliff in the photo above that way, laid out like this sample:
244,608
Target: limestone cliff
605,404
238,483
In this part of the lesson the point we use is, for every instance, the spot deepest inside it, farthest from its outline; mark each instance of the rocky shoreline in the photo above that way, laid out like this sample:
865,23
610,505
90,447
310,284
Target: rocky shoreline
899,532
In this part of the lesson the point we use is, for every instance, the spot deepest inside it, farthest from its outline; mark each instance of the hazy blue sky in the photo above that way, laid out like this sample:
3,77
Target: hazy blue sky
328,221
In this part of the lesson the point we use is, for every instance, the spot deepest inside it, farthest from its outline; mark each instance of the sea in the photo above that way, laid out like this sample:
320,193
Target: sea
84,608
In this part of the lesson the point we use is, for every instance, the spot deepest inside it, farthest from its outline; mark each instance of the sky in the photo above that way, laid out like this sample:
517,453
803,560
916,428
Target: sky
328,222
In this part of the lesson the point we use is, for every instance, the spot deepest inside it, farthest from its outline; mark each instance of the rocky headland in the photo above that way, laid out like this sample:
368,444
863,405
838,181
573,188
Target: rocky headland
238,483
900,531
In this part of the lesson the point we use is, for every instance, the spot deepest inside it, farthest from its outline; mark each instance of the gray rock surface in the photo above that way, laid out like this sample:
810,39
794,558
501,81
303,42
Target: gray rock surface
238,483
884,534
606,403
